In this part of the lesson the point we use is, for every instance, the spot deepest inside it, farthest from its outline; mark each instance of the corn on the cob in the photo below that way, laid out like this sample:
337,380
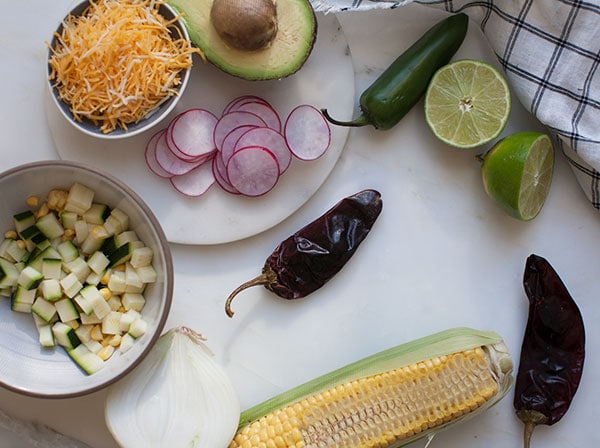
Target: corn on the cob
386,400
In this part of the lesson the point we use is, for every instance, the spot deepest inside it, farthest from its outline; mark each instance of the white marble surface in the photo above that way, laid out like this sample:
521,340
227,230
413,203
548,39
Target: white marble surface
441,255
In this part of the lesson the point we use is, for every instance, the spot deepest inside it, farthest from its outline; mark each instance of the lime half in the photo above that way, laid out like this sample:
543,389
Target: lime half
517,172
467,103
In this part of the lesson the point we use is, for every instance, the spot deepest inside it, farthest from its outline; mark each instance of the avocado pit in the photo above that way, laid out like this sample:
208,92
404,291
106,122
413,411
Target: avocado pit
246,25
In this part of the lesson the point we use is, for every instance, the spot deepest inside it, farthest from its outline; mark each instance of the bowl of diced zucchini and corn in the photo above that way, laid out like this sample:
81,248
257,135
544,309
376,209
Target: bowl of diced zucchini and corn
86,279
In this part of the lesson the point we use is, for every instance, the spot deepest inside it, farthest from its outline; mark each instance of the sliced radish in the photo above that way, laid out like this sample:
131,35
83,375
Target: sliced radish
150,155
270,139
307,132
195,182
232,120
242,99
228,146
191,133
220,174
169,162
253,171
265,111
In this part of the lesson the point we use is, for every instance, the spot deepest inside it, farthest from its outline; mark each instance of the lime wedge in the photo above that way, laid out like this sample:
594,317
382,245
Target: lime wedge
467,103
517,173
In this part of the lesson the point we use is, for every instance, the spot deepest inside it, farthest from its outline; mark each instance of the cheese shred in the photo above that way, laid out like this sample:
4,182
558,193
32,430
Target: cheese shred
118,62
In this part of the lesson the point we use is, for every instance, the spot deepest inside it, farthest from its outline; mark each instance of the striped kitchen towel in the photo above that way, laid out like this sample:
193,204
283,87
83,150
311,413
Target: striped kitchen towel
550,52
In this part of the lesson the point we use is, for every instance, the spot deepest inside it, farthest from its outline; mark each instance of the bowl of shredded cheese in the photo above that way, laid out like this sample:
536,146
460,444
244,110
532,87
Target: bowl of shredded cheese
118,67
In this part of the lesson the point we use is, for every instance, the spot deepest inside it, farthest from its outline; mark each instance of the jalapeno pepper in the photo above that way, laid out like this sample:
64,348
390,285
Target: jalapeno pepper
309,258
553,349
405,81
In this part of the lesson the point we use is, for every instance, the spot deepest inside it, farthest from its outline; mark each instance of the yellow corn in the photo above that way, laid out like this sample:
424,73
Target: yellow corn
386,409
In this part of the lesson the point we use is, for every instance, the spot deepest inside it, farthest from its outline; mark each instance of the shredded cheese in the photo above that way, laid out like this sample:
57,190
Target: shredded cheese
118,62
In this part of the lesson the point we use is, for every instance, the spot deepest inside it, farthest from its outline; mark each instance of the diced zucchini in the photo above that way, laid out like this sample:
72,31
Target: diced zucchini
98,262
114,302
51,289
23,220
93,278
52,268
68,219
111,323
127,319
83,332
46,336
66,310
6,242
22,299
94,240
133,301
116,282
132,279
141,256
91,319
117,222
147,274
127,342
81,231
44,309
93,346
29,232
80,199
97,214
37,258
50,226
70,285
127,236
79,267
109,245
83,304
68,251
17,250
138,328
88,361
95,299
30,278
121,254
65,336
9,274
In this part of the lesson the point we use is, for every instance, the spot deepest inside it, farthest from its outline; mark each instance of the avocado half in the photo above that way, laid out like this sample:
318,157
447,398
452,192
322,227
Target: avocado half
293,43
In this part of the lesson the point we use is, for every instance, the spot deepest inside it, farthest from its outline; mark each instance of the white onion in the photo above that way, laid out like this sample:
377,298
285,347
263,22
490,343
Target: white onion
178,396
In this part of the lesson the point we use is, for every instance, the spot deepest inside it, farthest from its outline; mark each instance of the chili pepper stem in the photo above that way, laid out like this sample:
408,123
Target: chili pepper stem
362,120
531,419
265,278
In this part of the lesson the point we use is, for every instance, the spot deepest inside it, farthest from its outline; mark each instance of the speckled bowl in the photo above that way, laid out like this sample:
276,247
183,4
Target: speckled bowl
87,126
28,368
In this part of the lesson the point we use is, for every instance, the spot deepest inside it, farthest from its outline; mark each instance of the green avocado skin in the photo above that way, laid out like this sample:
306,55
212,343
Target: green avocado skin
279,60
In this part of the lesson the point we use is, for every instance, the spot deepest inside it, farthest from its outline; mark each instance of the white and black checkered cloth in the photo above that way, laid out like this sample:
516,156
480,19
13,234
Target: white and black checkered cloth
550,52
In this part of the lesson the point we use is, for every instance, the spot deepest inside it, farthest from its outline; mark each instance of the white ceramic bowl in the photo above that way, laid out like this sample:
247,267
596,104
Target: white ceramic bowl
28,368
88,127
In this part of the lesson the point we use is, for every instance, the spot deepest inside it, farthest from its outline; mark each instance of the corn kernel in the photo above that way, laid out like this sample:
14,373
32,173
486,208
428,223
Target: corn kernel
42,211
10,234
106,352
96,333
105,293
32,201
115,340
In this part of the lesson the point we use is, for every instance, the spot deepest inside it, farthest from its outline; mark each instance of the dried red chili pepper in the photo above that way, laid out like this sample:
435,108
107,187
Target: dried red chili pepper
553,349
309,258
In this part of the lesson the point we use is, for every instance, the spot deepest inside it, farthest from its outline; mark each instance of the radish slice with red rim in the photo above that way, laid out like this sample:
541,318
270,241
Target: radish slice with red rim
169,161
232,120
307,133
228,146
253,171
270,139
195,182
264,111
243,99
220,174
191,133
150,155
